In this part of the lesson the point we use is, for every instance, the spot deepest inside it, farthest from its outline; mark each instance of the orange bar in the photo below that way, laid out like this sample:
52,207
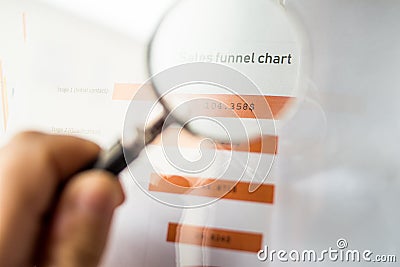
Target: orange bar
217,105
24,25
4,97
267,144
236,106
214,237
127,91
216,188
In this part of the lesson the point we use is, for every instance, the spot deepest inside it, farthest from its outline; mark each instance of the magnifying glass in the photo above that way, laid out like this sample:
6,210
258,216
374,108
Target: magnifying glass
220,69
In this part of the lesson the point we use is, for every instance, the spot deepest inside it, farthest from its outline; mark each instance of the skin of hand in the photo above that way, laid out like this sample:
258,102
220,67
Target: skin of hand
42,226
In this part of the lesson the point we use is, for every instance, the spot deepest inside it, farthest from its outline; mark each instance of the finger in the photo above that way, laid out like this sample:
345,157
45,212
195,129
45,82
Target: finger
31,168
82,220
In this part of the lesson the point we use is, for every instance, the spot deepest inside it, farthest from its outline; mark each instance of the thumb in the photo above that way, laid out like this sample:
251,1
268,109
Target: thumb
80,226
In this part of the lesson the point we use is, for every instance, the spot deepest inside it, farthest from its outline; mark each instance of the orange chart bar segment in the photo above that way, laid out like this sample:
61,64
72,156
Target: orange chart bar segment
216,105
236,106
216,188
266,144
4,96
214,237
129,91
24,26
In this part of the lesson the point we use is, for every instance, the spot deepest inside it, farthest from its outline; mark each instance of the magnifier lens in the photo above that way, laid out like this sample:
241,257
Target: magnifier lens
244,50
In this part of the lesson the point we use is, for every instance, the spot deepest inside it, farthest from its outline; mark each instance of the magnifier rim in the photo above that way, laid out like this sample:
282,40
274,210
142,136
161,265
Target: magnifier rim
299,35
160,99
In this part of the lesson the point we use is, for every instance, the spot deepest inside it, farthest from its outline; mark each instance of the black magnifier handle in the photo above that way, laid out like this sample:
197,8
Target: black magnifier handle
113,160
119,156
